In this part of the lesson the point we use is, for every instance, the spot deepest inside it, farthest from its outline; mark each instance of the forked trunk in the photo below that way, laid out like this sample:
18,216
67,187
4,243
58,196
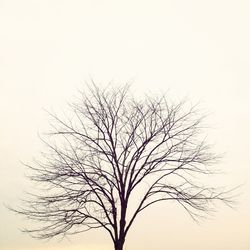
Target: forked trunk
121,239
119,245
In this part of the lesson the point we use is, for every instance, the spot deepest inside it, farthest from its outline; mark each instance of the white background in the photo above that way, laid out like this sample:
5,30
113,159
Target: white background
199,49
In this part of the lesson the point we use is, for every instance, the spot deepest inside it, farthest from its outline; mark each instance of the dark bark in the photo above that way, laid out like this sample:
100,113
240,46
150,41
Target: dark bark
119,244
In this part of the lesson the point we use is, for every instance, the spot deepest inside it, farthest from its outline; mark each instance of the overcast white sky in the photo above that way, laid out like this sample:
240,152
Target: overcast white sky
199,49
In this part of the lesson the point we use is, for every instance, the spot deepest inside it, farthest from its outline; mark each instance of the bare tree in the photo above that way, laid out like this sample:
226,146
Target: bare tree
106,151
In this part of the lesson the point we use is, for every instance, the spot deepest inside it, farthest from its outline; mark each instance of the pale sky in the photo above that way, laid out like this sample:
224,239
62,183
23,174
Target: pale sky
199,49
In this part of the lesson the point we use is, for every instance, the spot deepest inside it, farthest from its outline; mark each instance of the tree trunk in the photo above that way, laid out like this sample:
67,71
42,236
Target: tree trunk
121,238
119,244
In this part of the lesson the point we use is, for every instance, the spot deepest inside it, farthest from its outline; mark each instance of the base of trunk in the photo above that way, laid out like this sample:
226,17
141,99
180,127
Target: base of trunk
119,246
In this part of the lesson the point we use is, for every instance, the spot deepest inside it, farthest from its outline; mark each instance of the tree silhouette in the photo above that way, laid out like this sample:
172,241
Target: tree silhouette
114,146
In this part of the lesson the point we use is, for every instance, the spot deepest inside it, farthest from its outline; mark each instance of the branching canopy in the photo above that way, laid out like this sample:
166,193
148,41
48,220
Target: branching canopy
109,149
